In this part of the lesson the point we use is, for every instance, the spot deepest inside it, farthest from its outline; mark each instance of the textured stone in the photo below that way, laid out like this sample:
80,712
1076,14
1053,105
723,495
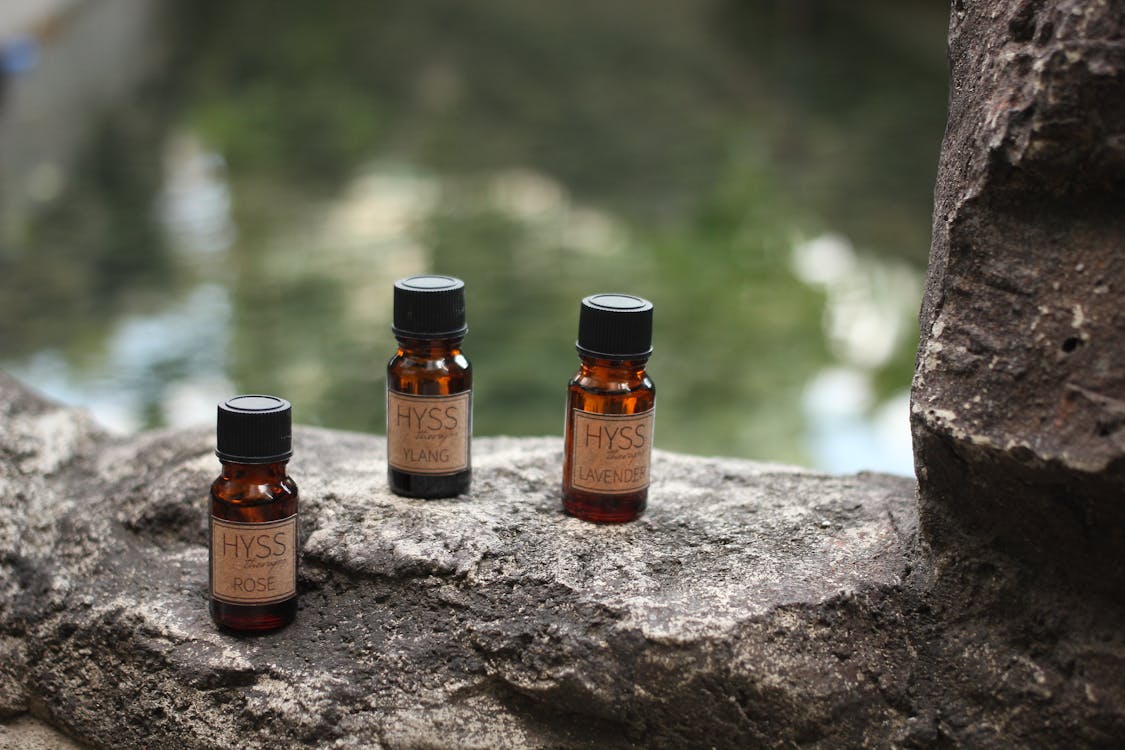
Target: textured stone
26,733
1019,391
754,605
488,621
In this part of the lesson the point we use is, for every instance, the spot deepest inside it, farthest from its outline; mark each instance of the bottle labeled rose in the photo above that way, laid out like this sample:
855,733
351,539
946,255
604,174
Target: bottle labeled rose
429,390
609,411
253,526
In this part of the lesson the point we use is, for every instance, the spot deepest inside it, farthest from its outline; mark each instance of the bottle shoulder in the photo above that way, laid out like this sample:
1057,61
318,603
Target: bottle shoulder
253,490
602,380
453,363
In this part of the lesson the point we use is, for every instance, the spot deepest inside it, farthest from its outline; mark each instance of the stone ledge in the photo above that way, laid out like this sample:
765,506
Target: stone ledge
753,605
475,614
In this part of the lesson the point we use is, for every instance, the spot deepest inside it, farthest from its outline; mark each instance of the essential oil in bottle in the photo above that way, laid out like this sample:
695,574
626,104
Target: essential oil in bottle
253,530
429,390
609,411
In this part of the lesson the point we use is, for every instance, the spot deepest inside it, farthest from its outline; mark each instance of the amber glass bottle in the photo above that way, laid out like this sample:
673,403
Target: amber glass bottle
429,390
253,529
609,411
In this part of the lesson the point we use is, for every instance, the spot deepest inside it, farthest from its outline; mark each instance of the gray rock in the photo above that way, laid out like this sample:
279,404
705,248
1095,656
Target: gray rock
1019,391
492,620
27,733
753,605
488,621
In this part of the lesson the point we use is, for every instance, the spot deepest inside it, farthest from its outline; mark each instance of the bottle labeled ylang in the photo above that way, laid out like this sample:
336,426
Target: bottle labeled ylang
429,390
253,526
609,411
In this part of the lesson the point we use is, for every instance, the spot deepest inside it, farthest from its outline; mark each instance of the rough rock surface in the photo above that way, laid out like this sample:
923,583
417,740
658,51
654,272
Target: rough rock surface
754,605
28,733
488,621
1019,390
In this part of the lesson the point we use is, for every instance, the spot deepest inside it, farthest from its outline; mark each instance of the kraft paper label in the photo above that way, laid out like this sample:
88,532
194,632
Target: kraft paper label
429,434
611,452
253,563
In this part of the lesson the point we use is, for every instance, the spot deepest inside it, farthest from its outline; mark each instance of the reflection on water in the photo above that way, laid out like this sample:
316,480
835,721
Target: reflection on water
195,203
242,231
868,315
152,369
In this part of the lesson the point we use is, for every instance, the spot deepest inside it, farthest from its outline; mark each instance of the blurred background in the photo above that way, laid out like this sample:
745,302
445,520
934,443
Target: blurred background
205,197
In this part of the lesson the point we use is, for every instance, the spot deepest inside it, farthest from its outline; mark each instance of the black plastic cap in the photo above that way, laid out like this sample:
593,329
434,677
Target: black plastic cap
615,326
429,306
255,430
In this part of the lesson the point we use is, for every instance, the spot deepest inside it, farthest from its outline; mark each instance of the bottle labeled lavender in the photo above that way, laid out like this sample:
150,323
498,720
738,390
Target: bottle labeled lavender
610,411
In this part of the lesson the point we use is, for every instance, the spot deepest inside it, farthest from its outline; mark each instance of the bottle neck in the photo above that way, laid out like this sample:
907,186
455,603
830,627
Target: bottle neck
255,473
429,348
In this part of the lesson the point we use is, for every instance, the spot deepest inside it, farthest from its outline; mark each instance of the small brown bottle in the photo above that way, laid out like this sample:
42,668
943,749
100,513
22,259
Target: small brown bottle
253,529
609,411
429,390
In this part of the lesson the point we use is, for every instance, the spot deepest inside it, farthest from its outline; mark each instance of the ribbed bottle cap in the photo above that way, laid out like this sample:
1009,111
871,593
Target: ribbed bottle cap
615,326
429,306
255,430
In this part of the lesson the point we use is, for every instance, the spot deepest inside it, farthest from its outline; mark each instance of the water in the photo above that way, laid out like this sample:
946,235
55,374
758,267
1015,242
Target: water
233,222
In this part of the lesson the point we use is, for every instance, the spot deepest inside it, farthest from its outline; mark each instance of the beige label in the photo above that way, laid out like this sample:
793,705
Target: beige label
253,563
429,434
611,452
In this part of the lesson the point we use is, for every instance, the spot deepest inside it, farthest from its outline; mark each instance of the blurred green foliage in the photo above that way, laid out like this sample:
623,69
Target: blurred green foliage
701,139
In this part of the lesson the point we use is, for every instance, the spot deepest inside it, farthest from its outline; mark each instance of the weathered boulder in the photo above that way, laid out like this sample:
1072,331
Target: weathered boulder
28,733
1019,391
754,605
488,621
